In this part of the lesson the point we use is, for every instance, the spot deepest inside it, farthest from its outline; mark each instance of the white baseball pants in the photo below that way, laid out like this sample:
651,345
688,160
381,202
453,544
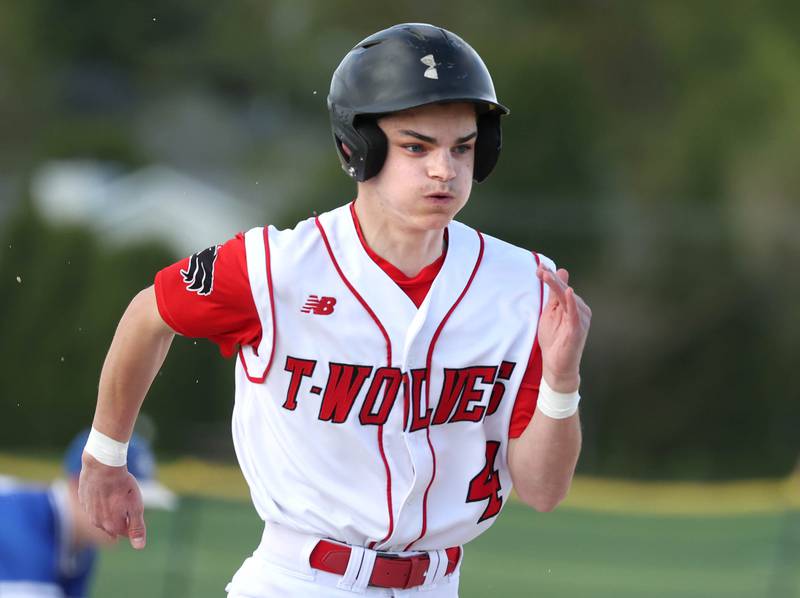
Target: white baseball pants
279,568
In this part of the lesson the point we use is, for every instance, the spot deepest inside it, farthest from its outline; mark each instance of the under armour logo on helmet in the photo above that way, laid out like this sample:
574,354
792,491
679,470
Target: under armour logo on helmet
430,62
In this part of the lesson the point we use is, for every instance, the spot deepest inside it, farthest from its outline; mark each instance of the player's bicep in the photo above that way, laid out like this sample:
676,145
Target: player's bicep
145,309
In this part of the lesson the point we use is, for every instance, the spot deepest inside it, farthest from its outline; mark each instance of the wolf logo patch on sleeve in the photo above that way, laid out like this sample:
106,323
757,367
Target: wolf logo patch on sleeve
199,276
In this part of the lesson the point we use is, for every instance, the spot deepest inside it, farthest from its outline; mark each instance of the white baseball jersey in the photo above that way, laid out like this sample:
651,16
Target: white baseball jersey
361,418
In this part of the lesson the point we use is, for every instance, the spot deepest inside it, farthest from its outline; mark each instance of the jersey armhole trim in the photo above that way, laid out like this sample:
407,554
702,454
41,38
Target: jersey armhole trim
272,323
534,348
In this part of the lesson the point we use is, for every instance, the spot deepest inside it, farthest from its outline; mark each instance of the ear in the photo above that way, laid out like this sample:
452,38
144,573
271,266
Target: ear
347,151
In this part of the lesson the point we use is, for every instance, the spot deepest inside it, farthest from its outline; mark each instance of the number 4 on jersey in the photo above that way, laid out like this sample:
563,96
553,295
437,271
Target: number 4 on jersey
486,485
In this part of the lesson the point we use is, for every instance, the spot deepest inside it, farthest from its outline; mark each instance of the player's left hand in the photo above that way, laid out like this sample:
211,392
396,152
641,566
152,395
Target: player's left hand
563,329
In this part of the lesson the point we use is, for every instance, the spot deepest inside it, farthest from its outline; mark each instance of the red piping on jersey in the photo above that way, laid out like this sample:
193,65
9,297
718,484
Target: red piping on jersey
388,363
406,399
428,362
260,380
515,417
541,297
541,307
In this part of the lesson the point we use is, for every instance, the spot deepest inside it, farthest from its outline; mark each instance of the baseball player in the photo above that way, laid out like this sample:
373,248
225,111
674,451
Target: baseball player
397,372
48,545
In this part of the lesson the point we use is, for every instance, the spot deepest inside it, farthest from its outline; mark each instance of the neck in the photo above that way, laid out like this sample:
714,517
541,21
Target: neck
407,249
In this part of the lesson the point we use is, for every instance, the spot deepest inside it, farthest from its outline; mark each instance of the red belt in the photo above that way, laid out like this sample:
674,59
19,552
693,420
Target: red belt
390,571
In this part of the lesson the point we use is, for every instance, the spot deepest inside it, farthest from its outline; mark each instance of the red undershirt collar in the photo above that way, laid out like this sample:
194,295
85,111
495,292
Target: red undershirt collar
416,287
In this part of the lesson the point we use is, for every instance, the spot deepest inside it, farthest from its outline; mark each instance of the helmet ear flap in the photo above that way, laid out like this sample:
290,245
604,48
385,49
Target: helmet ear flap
361,147
487,145
374,154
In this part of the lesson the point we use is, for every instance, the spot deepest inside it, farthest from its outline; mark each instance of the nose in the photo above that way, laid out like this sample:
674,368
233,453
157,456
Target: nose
441,166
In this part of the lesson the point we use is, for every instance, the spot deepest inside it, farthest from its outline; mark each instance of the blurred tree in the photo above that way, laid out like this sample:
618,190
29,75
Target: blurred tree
61,296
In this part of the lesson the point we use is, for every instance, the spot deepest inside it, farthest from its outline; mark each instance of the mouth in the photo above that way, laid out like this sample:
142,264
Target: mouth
440,196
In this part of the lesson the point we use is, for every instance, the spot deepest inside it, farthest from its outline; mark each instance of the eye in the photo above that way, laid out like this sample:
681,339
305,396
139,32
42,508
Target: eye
462,149
414,148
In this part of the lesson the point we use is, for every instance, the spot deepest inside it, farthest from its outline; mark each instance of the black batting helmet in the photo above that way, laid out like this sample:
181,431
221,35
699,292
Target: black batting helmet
402,67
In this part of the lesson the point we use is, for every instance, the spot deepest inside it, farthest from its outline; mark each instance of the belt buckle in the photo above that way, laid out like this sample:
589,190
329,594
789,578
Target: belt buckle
419,568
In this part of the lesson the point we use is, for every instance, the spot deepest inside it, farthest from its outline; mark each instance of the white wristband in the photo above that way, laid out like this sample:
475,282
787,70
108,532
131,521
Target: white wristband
106,450
558,405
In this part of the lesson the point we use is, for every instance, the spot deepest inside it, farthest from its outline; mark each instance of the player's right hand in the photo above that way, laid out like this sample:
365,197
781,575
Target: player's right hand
111,497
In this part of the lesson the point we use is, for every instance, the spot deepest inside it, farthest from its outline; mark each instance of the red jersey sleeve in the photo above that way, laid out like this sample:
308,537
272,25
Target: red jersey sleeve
528,394
208,296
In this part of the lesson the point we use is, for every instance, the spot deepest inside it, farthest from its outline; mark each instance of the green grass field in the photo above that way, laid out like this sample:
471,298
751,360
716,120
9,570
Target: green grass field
611,538
568,553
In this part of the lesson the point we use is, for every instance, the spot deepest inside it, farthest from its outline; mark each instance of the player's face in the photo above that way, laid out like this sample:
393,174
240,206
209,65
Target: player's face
427,176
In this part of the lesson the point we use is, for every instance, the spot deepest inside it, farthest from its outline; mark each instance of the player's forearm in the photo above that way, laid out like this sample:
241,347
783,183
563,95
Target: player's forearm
137,352
542,460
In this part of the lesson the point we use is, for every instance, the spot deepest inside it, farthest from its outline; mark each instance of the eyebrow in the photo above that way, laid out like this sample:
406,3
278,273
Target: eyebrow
432,140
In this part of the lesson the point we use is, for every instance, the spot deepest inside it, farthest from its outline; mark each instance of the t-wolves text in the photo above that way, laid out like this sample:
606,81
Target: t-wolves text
468,394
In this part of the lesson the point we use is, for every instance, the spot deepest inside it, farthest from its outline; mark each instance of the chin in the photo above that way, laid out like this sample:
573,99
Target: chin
435,221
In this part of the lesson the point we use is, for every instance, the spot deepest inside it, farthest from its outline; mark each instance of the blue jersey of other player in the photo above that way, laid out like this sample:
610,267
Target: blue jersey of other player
37,554
48,544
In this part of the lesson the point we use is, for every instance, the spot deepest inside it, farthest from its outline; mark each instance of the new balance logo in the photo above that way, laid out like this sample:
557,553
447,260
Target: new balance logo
320,306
